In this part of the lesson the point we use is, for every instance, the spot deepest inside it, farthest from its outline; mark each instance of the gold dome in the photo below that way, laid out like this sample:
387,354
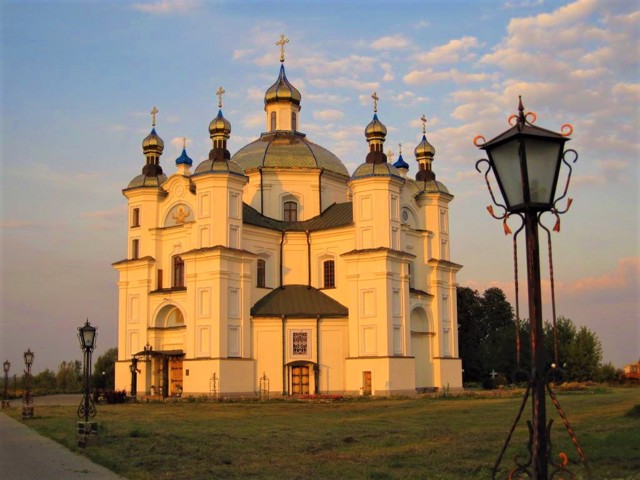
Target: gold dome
153,143
220,125
424,148
282,90
375,130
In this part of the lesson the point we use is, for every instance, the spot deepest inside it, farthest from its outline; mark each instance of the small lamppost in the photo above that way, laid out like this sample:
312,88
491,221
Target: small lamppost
133,368
526,160
5,399
87,337
27,399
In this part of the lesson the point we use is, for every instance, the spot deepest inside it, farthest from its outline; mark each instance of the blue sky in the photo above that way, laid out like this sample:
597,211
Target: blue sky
79,78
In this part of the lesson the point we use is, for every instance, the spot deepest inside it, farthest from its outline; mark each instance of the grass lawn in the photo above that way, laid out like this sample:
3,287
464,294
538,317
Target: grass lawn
393,438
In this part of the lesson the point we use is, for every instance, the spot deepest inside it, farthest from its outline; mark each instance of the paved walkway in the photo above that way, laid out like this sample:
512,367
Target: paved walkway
26,455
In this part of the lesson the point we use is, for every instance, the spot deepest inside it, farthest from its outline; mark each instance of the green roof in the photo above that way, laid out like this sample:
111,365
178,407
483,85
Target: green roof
335,216
298,301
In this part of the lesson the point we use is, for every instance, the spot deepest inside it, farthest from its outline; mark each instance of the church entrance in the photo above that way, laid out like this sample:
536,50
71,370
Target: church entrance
300,380
366,383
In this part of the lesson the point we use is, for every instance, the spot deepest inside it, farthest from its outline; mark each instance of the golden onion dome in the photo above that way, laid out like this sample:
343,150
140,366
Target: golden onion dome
282,90
376,129
424,148
287,150
220,125
153,143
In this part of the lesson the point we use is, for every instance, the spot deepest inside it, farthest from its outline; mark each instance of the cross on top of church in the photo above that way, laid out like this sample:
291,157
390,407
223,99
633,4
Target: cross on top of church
390,155
281,43
184,142
375,102
153,112
219,93
400,148
423,119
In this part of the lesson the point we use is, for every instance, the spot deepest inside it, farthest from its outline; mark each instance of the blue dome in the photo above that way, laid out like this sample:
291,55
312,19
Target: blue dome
400,163
184,159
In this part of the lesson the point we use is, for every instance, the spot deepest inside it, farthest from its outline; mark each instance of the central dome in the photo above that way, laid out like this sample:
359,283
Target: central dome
287,149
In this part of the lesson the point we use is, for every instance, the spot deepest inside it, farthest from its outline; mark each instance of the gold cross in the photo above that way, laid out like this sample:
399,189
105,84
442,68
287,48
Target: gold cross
390,155
400,148
184,142
424,123
154,110
281,45
375,102
219,94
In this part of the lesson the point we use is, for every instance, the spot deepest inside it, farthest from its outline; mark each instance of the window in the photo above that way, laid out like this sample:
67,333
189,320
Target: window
290,212
159,279
135,248
261,274
273,121
329,274
135,217
294,125
300,343
178,272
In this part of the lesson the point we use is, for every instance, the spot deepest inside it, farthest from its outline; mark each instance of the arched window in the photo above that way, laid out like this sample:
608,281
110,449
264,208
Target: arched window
261,273
273,121
290,213
178,272
294,124
329,274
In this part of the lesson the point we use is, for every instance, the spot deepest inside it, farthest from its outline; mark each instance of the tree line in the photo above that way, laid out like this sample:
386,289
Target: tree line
488,335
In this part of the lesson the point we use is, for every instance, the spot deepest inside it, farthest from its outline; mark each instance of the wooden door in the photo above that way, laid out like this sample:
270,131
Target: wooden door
366,383
175,376
299,380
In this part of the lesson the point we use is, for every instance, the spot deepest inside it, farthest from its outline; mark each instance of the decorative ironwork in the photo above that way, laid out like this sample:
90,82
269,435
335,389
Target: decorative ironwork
264,387
213,385
86,408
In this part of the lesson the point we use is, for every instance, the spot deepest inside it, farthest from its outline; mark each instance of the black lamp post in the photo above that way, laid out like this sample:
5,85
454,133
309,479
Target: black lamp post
526,160
5,400
133,368
87,337
27,399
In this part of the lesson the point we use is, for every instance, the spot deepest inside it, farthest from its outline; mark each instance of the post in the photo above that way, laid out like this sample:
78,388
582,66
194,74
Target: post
540,452
134,377
5,398
87,378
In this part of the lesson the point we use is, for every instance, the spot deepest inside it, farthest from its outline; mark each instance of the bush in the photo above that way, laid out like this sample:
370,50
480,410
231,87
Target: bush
110,396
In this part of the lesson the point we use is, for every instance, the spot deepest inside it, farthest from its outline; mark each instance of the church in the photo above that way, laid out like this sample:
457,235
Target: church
274,270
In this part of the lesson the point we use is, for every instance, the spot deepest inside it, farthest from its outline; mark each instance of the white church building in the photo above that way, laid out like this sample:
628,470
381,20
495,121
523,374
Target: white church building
275,269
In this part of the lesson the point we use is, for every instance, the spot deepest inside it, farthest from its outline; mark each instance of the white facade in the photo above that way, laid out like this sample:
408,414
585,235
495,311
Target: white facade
282,269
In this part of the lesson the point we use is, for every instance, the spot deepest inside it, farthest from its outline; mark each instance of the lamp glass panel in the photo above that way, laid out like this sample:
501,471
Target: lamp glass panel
88,335
542,161
506,162
28,358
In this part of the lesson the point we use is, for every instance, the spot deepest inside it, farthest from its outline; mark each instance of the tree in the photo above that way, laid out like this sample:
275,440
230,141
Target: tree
469,331
104,373
44,382
584,356
69,377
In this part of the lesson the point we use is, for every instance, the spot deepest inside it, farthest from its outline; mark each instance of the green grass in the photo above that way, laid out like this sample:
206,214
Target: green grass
416,438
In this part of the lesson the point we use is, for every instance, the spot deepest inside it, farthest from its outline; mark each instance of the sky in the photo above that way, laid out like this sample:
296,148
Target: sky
79,78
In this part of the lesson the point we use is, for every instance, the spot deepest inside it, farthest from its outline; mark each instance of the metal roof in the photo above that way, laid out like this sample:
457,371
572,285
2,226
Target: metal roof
298,301
335,216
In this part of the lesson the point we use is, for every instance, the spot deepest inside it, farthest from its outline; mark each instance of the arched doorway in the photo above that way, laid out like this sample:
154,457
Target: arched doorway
420,348
168,338
300,375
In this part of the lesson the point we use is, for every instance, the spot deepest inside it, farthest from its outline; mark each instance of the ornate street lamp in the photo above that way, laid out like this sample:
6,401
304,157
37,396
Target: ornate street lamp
526,161
87,338
27,399
5,400
133,368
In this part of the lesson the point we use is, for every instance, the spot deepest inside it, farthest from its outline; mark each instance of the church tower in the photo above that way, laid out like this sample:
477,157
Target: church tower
377,274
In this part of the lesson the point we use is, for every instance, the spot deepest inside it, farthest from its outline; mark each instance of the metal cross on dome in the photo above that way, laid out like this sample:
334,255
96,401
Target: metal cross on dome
219,93
153,112
400,148
423,119
281,43
375,102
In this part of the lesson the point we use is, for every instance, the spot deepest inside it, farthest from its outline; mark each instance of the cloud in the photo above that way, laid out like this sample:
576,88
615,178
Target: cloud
452,52
163,7
429,76
395,42
328,115
239,54
16,224
624,277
